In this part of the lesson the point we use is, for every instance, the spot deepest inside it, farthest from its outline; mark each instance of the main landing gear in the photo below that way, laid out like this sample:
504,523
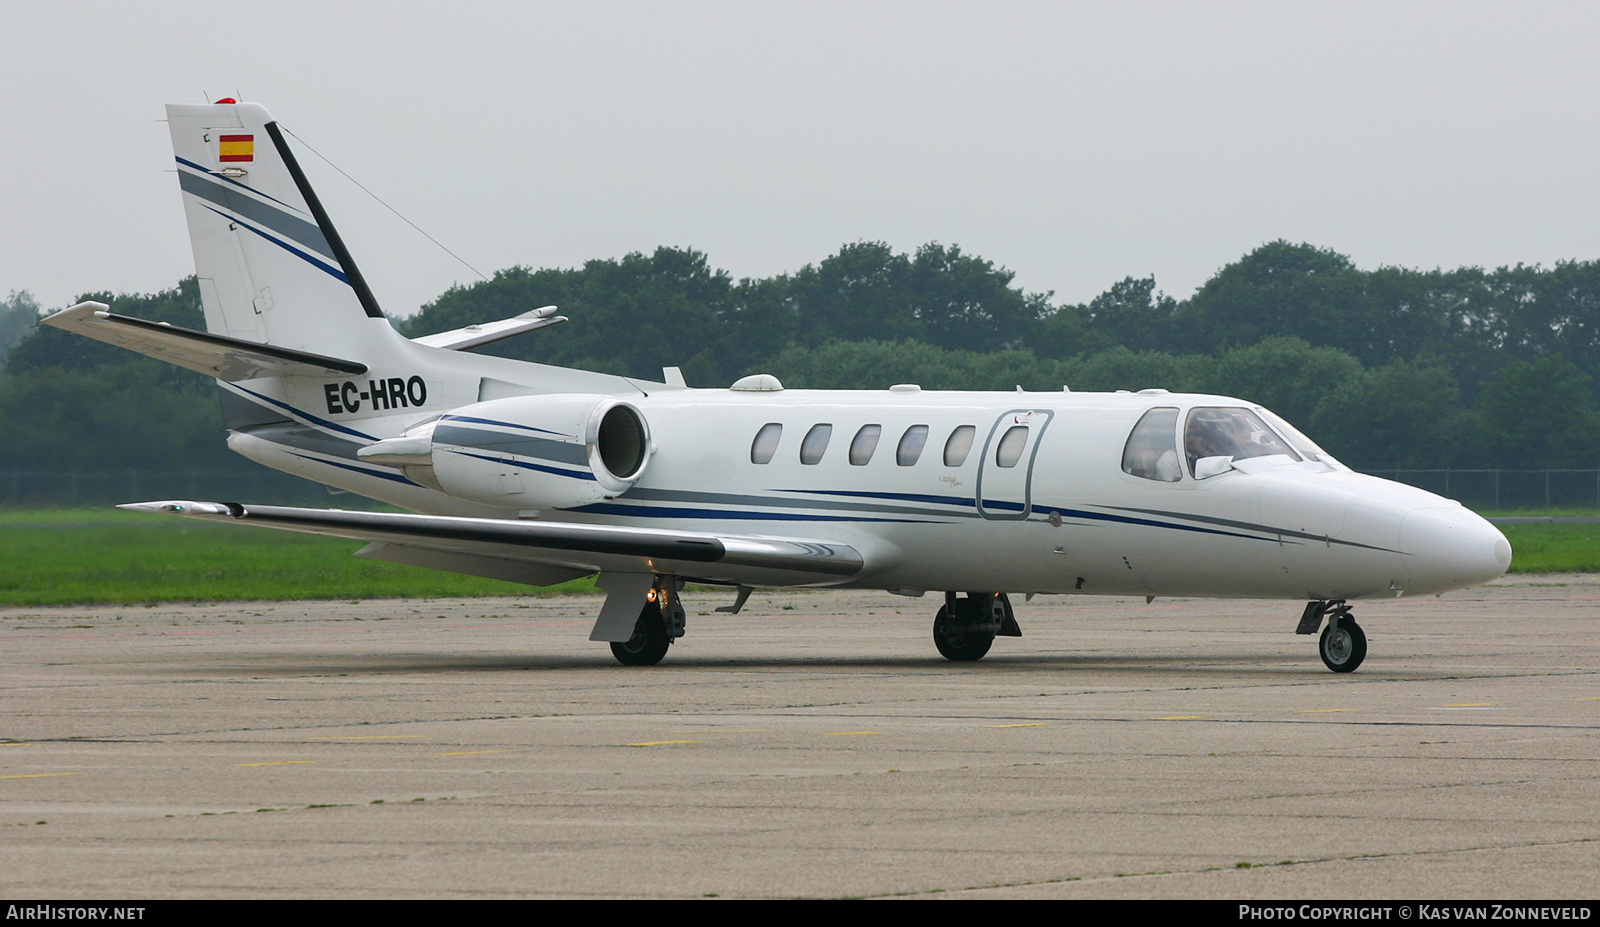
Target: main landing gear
965,628
1343,644
661,622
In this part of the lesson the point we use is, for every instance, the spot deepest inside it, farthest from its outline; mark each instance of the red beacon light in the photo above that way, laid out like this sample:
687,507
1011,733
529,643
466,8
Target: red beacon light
227,100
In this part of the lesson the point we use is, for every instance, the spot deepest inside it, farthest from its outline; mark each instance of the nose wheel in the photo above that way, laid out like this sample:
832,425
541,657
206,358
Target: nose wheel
1343,645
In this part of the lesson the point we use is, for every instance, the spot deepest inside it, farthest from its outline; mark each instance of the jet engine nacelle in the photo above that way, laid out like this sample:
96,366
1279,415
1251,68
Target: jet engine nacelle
526,452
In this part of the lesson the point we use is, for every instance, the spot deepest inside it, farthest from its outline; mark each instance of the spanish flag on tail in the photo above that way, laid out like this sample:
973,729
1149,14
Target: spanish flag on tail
237,148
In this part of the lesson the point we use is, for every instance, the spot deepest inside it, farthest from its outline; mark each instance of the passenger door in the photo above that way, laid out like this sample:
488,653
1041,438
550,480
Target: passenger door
1005,472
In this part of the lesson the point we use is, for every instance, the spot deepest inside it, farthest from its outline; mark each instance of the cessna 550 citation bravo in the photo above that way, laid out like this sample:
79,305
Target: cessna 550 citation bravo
540,474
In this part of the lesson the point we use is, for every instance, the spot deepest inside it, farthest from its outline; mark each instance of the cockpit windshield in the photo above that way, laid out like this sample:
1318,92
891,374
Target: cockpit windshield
1301,443
1214,437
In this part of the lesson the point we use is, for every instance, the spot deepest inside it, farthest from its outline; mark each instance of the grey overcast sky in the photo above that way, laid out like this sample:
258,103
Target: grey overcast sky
1074,143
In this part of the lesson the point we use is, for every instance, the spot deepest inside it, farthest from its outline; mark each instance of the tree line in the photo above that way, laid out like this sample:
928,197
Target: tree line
1390,367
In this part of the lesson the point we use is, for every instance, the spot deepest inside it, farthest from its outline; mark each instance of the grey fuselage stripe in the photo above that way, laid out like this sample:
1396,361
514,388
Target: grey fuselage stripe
721,498
293,228
1249,526
304,438
520,445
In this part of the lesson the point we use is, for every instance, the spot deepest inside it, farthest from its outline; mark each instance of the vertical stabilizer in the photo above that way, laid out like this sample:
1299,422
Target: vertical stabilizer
270,265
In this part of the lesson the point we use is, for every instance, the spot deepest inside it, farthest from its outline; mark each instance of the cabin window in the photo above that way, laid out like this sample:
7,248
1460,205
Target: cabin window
911,445
865,443
1152,450
1011,444
766,443
1225,435
959,445
815,443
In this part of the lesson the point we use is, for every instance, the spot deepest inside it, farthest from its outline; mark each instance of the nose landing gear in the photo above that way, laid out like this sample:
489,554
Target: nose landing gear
1343,644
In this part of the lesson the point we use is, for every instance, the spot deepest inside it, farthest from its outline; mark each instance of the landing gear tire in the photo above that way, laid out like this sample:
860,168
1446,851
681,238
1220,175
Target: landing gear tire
649,641
959,644
1343,646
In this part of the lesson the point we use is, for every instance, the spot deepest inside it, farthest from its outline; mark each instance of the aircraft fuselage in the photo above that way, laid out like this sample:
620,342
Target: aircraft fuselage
1063,517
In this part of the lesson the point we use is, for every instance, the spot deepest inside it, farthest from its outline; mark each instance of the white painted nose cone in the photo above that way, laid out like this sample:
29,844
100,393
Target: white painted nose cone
1450,548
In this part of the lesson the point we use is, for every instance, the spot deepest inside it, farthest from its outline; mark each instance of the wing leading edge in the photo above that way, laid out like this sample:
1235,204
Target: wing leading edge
572,549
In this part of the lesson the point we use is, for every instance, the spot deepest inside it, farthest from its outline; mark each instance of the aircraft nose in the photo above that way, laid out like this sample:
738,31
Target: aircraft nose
1450,547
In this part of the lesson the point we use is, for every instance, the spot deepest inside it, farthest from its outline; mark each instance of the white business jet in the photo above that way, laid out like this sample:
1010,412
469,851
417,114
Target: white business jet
540,474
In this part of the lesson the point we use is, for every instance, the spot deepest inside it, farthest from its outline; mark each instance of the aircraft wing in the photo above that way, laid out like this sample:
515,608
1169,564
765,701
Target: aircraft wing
218,356
539,552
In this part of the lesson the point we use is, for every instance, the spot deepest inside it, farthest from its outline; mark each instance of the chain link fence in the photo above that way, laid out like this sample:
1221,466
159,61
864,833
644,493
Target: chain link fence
68,488
1506,489
1498,489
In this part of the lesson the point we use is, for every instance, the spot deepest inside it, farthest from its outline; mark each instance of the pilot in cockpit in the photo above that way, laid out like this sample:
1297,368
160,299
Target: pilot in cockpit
1206,437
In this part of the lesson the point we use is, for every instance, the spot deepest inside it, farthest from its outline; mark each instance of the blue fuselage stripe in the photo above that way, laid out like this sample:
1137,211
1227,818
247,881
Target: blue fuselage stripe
992,504
321,265
573,474
650,511
896,496
303,414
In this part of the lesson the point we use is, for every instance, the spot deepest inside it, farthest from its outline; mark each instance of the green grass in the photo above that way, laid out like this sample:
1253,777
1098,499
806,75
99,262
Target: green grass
1554,548
59,557
1525,513
1551,548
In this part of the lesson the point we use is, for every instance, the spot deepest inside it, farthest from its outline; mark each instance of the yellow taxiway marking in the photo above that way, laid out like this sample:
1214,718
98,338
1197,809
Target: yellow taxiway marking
1026,724
1180,718
847,733
662,743
1322,711
1590,698
471,752
372,737
748,730
279,763
1471,705
40,775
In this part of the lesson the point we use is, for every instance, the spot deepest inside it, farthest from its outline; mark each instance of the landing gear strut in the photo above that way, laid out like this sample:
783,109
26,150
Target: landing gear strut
965,628
661,621
1343,644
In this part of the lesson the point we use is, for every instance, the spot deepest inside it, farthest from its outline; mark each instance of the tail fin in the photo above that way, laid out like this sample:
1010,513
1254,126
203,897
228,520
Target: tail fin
270,265
290,324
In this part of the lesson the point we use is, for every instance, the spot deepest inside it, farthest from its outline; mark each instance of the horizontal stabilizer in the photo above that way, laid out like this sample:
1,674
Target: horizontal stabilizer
589,548
219,356
474,336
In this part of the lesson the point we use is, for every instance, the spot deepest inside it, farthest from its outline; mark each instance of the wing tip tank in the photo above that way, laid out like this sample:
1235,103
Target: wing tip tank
184,507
